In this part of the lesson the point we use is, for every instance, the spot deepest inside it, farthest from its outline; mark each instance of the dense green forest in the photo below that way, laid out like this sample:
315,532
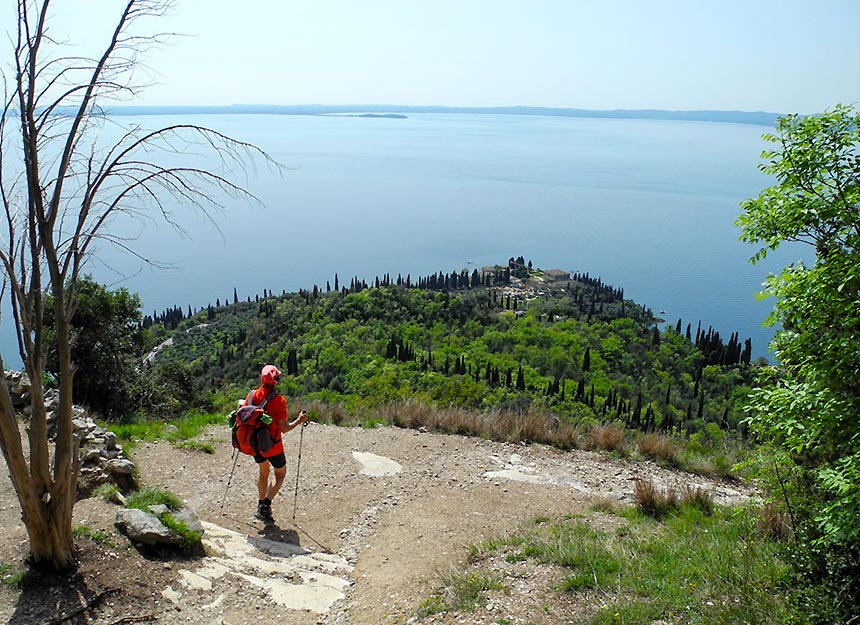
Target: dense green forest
509,337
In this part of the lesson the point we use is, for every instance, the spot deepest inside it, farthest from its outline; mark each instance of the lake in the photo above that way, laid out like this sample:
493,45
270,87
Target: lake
646,205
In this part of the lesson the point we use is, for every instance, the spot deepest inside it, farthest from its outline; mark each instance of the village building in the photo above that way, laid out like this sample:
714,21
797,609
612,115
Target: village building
557,275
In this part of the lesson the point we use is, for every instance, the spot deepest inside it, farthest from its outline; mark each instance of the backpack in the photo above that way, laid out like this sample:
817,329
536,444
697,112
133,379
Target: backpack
250,434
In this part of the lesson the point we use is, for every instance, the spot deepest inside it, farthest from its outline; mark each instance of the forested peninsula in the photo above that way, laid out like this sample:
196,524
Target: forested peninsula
510,339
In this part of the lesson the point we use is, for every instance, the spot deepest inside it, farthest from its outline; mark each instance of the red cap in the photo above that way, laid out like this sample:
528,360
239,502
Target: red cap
270,376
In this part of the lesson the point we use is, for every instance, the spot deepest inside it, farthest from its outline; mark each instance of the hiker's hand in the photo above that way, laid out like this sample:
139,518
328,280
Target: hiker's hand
303,416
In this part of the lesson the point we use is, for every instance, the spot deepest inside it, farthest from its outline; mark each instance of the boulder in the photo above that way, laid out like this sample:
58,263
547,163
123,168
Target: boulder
90,478
146,527
120,466
183,515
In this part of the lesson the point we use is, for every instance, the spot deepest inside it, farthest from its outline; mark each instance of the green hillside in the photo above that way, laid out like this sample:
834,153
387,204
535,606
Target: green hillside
511,338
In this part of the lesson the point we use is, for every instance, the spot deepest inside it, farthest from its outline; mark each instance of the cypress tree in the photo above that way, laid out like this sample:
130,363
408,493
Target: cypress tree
580,390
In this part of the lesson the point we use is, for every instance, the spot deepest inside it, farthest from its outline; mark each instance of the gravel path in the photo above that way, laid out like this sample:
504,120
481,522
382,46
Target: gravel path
380,514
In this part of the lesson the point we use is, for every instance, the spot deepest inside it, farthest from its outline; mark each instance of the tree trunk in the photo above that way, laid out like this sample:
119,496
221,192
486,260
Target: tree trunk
46,503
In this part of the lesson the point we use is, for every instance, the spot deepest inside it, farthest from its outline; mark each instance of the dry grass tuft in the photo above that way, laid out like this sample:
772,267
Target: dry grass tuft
508,426
774,523
657,503
409,414
605,437
697,497
659,448
323,412
653,502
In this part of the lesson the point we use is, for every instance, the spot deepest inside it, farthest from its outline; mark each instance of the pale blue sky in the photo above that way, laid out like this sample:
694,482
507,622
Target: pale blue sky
780,56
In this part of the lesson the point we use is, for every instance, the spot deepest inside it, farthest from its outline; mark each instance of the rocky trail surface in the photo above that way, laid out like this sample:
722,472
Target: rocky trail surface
379,515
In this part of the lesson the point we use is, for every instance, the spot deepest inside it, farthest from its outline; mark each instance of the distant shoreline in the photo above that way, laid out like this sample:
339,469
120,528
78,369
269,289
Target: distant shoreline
371,115
758,118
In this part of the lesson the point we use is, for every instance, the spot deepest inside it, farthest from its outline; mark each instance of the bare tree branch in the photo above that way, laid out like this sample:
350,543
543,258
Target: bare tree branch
62,182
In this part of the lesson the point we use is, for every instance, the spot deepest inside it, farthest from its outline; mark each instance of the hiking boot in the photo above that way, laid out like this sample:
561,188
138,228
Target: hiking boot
264,513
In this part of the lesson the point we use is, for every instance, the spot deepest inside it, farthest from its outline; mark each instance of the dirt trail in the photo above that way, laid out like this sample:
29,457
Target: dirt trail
379,514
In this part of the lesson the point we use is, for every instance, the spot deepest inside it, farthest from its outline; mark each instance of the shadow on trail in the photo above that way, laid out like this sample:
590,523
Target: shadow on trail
48,596
272,532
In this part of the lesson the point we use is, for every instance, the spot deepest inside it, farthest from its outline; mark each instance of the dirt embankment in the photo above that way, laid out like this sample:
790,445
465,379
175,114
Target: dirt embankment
378,515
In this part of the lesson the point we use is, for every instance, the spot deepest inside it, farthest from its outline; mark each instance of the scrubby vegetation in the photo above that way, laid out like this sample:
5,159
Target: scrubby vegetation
694,566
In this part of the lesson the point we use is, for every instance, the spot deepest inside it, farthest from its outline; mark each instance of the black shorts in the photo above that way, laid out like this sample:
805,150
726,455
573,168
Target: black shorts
278,461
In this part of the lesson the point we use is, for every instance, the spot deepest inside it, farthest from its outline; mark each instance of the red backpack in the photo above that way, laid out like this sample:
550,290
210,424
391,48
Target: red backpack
250,433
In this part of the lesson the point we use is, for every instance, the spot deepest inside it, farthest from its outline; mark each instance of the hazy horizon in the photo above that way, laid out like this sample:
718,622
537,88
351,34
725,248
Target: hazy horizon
789,56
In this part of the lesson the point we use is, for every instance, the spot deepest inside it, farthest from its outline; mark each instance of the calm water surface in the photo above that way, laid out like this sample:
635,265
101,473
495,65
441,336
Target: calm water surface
647,205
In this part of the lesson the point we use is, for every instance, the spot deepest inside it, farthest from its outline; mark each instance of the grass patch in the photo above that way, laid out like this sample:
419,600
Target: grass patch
657,503
151,496
654,502
607,505
692,567
373,422
774,523
179,431
97,536
10,576
575,546
462,591
190,536
107,491
206,447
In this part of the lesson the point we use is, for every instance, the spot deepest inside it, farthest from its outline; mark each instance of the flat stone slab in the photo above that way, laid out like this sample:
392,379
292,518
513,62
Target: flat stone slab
376,466
290,575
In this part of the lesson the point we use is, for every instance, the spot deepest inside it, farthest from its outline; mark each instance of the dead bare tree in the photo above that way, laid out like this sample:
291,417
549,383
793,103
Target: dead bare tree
61,188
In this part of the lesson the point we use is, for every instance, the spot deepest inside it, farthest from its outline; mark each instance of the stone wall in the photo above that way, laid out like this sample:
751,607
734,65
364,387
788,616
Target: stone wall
102,460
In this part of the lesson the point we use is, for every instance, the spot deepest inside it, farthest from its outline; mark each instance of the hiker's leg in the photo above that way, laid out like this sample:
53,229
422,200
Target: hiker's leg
280,474
262,480
279,464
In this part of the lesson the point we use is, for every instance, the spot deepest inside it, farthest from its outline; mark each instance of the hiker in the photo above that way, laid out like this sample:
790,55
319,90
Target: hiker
276,408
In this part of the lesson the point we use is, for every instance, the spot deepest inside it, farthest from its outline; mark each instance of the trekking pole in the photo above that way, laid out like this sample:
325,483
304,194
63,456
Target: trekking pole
230,479
298,467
